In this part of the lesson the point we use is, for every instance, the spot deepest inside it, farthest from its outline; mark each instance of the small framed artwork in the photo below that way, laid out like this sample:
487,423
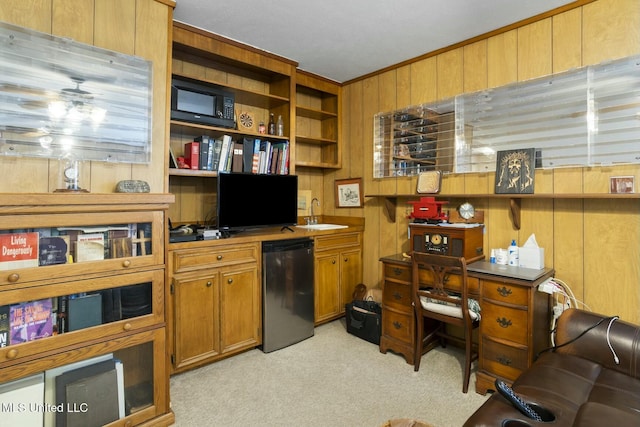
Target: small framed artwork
515,171
349,193
621,184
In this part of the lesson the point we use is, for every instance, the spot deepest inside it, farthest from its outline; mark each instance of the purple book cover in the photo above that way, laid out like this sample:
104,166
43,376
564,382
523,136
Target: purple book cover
30,321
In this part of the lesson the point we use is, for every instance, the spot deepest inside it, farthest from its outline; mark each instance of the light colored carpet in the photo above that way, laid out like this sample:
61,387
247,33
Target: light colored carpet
333,379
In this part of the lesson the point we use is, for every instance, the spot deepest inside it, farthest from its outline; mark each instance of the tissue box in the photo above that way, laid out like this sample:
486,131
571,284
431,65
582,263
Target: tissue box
531,257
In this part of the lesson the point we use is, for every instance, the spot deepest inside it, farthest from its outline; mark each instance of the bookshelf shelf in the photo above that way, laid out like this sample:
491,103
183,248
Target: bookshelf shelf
110,307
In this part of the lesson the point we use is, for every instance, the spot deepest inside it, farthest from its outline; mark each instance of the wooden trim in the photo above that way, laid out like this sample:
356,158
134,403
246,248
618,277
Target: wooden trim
507,28
219,38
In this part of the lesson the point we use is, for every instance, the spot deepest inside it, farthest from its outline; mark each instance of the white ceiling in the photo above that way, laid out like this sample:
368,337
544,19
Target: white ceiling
345,39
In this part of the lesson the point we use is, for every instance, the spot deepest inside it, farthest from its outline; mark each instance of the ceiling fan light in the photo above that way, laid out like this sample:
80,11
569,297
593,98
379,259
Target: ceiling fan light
98,114
57,109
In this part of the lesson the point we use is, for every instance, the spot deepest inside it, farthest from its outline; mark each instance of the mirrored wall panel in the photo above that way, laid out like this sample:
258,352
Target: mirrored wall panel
59,96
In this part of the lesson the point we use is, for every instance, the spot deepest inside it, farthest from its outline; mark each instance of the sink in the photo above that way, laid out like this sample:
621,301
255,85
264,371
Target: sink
322,226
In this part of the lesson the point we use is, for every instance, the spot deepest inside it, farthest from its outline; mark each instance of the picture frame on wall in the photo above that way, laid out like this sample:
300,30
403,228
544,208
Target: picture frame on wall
621,184
515,171
348,193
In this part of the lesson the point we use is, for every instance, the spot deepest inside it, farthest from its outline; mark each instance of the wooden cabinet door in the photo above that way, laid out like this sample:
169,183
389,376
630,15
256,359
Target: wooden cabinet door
196,330
350,274
240,310
327,286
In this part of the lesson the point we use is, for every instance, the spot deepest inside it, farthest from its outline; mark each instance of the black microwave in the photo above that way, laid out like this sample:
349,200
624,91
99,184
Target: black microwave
199,102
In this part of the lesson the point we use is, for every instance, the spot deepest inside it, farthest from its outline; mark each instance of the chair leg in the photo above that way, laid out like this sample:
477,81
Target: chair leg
467,360
417,348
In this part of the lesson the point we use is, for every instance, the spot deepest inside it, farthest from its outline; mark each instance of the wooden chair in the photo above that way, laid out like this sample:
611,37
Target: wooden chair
432,301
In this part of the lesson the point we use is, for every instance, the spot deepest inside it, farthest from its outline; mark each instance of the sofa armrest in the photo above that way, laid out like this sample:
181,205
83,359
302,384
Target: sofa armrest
593,345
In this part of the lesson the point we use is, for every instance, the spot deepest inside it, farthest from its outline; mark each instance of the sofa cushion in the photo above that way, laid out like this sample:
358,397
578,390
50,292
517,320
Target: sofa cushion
593,414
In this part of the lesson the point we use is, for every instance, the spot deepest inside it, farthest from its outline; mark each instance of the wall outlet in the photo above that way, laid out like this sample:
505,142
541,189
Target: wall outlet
547,286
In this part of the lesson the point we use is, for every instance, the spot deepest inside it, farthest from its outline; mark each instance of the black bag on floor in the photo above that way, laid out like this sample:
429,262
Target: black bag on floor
364,320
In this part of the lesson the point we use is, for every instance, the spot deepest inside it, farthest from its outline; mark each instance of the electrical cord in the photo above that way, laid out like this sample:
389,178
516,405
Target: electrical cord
598,323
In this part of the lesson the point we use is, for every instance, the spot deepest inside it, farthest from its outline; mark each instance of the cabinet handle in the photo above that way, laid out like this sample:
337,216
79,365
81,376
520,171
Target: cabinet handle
14,277
229,280
505,323
397,296
209,284
126,263
397,271
397,325
333,261
219,257
127,326
504,291
504,360
346,259
12,354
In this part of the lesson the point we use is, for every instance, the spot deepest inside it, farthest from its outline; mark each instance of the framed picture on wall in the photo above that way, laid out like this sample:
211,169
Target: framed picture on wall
349,193
515,171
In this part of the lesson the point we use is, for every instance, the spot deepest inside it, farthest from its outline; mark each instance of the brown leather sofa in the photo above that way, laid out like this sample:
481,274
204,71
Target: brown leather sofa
579,382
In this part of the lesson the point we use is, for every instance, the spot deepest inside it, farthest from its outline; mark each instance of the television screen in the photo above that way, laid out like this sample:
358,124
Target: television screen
256,200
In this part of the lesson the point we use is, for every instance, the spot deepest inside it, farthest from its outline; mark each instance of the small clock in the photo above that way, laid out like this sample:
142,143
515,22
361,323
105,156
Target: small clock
246,121
436,239
466,210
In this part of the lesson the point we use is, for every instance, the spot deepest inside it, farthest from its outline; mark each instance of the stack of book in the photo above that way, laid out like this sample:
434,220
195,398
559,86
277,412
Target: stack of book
249,155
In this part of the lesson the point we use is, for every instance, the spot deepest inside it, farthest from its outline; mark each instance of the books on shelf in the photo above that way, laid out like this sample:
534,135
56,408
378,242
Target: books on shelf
90,247
4,326
238,157
29,321
54,250
192,154
19,250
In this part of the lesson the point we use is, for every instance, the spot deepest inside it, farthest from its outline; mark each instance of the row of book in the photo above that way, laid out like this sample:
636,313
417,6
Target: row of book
64,245
33,320
250,155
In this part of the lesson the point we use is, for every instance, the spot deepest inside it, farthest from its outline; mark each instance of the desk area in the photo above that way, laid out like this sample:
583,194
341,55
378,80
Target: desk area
515,316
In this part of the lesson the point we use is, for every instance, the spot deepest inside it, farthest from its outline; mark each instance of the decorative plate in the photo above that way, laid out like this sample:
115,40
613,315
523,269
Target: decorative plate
246,121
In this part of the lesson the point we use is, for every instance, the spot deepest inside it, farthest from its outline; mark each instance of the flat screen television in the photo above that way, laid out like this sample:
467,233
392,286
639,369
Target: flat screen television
247,201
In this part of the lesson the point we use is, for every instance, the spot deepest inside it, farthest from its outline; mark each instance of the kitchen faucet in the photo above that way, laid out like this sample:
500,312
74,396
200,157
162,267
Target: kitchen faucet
314,219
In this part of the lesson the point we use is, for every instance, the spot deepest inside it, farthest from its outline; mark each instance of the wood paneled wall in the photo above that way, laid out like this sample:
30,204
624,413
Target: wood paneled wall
141,28
593,244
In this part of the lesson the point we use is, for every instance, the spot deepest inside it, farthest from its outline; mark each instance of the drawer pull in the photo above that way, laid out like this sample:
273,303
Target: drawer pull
346,259
505,323
397,271
504,291
229,281
127,326
397,296
504,360
12,354
333,261
14,277
209,284
219,257
397,325
126,263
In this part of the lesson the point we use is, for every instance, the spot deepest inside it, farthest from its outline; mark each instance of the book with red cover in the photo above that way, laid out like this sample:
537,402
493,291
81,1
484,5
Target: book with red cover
19,250
192,154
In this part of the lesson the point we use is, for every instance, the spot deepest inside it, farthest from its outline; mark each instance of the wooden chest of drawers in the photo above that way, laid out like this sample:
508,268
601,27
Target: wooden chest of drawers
514,327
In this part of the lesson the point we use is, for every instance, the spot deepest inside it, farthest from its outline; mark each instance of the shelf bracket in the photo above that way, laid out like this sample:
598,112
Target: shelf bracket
390,204
515,206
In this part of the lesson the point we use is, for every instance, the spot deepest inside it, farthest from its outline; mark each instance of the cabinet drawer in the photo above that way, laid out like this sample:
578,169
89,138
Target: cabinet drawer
503,360
196,259
504,322
397,295
397,272
397,325
337,241
504,292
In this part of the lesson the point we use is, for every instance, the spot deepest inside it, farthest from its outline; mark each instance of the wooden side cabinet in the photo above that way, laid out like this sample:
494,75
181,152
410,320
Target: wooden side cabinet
338,269
90,290
215,302
515,322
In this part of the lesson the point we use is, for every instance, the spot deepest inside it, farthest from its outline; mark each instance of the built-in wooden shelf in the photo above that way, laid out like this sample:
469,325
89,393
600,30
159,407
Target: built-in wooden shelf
391,200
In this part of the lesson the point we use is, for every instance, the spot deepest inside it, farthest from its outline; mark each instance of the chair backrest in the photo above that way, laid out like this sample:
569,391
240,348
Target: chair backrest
430,276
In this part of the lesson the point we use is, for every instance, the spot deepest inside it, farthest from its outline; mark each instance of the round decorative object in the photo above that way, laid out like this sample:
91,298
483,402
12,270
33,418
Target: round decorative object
436,239
466,210
246,121
71,173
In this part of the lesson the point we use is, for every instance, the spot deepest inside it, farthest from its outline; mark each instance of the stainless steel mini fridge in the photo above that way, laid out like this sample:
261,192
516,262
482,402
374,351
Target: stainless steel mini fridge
287,292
